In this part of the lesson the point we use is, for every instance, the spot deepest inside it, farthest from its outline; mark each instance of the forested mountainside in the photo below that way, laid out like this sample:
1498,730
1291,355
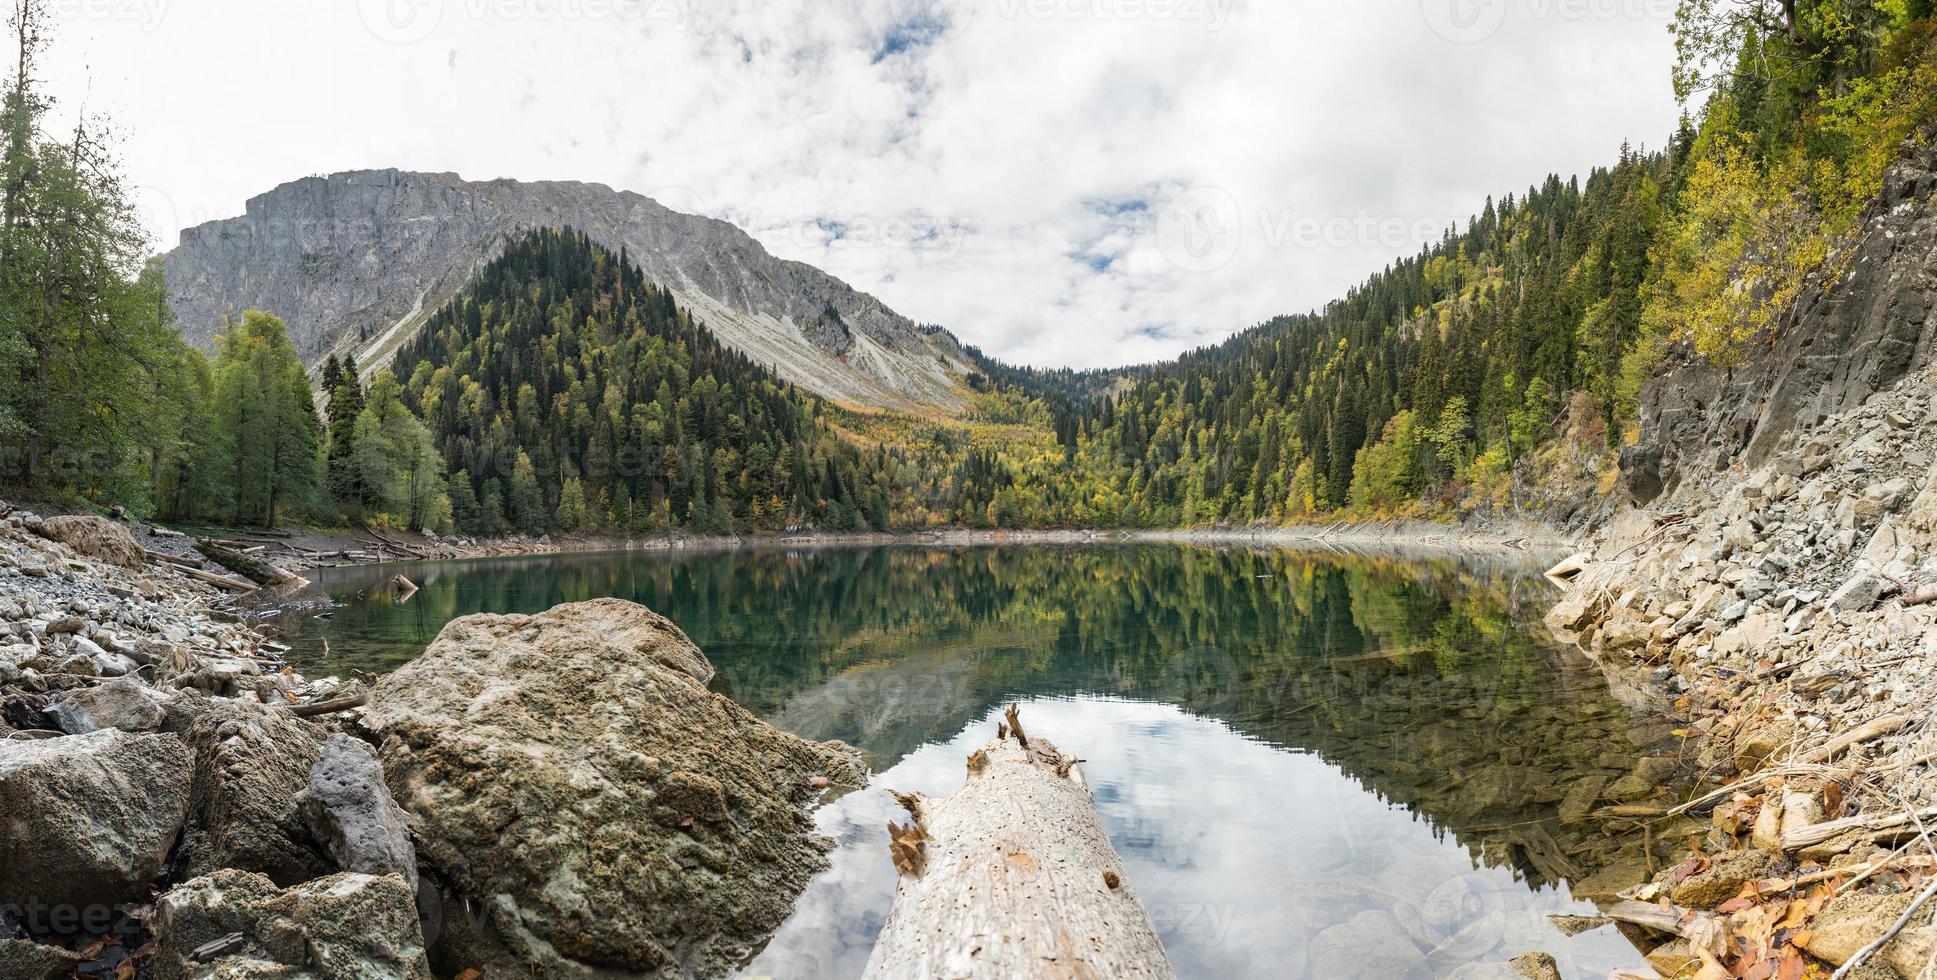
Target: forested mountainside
1497,371
355,262
566,392
1450,364
1500,367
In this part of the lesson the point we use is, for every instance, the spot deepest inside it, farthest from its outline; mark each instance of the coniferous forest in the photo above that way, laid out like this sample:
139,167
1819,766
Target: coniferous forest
562,360
562,392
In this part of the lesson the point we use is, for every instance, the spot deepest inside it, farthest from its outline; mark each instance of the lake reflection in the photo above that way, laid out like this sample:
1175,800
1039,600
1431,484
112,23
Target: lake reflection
1312,764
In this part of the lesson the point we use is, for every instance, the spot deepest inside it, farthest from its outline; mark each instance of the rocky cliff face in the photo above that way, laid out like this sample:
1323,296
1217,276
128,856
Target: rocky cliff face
356,261
1847,339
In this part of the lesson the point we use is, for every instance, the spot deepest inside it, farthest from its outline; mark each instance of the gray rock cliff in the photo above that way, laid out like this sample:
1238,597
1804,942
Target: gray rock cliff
355,262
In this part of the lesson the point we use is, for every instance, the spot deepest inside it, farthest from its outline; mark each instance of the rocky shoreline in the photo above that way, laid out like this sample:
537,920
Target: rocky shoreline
181,803
1773,580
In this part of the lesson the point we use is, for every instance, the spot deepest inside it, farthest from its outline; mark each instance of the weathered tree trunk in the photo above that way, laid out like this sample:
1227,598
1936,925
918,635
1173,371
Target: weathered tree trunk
248,566
1013,876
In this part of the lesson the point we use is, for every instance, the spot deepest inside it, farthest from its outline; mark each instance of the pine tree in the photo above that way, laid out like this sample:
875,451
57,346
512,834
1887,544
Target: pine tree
265,420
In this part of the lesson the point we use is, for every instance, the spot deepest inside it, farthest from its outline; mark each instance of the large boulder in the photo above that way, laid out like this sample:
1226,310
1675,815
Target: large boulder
571,774
1641,474
351,814
97,538
344,927
88,820
250,763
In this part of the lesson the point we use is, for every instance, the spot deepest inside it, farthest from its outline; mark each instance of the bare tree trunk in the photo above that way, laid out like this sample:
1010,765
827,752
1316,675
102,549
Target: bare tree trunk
1012,876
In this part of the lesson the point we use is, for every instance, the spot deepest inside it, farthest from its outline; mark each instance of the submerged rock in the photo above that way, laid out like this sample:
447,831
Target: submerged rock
1371,944
570,773
1536,966
89,819
344,927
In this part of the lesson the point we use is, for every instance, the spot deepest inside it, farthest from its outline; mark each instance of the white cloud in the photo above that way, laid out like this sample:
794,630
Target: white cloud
1001,167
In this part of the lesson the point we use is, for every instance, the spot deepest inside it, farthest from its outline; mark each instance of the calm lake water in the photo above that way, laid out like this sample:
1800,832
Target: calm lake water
1310,763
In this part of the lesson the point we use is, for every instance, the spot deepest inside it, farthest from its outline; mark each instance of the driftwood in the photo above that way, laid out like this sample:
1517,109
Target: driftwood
246,565
193,569
1670,919
1869,731
1013,876
1801,837
321,708
164,558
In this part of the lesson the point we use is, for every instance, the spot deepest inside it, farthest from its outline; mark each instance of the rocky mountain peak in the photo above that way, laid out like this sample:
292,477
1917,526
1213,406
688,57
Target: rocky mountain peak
355,262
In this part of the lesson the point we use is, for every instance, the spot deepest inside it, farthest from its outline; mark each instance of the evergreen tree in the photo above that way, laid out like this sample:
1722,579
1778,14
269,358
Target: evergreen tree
397,464
265,420
87,345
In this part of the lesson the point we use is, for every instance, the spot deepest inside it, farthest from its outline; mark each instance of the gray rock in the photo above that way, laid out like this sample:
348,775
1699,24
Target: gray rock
551,763
350,812
250,763
1641,473
22,959
1827,354
1862,592
89,819
120,703
343,927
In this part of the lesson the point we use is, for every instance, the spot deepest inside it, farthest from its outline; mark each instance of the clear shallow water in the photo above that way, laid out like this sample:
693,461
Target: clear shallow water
1288,749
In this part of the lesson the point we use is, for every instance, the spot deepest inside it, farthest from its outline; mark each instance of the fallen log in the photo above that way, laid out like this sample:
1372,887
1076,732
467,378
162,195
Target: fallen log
248,566
1013,876
1869,731
168,559
193,570
1816,833
320,708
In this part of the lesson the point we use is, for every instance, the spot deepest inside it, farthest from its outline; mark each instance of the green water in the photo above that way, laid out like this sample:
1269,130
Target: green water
1290,750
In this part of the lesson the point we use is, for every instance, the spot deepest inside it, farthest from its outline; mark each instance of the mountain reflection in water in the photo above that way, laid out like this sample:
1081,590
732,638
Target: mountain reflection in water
1301,756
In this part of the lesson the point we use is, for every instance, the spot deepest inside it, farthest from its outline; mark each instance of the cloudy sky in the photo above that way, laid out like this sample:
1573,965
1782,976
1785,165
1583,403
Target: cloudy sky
1062,182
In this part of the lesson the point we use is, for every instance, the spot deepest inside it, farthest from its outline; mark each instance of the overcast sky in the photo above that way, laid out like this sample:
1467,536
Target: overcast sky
1062,182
